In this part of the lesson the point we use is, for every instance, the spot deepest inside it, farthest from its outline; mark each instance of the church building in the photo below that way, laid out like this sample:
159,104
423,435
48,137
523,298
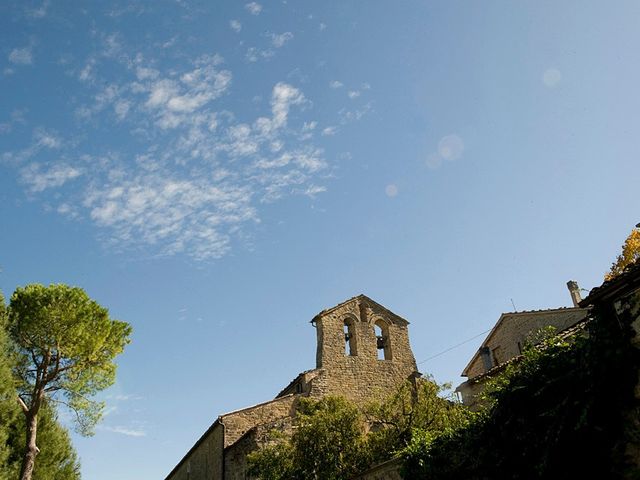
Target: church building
363,353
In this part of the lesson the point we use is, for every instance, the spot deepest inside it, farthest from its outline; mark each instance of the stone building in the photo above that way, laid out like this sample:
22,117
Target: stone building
512,331
363,353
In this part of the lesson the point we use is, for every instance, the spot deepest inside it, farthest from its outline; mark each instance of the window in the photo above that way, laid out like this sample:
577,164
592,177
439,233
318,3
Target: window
349,338
382,340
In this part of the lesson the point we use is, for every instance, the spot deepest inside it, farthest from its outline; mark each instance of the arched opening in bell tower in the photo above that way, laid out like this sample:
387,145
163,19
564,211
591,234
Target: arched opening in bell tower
381,330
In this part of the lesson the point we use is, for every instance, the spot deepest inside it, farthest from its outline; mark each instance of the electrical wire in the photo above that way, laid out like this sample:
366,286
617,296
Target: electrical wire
453,347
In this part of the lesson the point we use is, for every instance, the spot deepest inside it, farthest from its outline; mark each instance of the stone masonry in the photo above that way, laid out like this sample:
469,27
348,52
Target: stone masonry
505,342
363,353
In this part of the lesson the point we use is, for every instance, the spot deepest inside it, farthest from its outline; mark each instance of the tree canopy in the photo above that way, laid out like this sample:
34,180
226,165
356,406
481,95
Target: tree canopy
334,439
327,444
65,344
58,460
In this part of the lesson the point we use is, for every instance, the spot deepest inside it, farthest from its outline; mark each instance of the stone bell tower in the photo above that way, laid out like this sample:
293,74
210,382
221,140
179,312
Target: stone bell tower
363,351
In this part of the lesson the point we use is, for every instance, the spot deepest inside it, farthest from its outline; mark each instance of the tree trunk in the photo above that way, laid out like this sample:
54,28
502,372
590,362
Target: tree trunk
29,459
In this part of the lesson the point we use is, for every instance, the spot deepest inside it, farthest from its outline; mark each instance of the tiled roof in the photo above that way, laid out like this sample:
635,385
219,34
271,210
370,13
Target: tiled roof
504,316
628,280
566,333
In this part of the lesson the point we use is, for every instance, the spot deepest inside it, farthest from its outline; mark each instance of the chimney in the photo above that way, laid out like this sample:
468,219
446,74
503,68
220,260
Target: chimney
574,290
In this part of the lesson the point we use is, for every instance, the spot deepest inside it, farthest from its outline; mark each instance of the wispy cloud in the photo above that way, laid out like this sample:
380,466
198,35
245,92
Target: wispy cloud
253,8
177,215
254,54
129,432
201,175
124,397
16,117
351,115
191,174
279,40
41,11
86,73
172,100
39,178
42,140
21,56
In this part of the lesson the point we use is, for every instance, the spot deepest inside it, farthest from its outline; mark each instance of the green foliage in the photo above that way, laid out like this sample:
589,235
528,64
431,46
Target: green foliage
273,461
67,344
333,439
328,440
327,444
57,459
414,411
8,407
559,413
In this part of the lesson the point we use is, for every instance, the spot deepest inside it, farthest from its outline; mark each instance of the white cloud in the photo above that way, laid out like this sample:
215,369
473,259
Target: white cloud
254,54
68,210
173,100
322,26
176,215
282,97
329,131
121,108
87,74
42,139
279,40
124,397
39,179
336,84
47,139
314,190
551,77
235,25
347,116
40,12
353,94
197,176
21,56
129,432
253,8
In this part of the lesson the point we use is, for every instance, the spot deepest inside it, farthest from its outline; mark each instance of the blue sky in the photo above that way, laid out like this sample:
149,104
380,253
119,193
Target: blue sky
216,173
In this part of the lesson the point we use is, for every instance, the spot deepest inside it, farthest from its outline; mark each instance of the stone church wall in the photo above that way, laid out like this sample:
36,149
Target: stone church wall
361,376
204,460
238,423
